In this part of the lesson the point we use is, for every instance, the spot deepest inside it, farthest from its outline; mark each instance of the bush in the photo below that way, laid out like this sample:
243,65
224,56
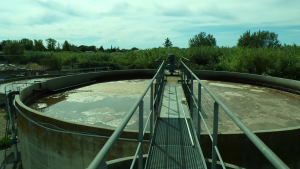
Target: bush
4,142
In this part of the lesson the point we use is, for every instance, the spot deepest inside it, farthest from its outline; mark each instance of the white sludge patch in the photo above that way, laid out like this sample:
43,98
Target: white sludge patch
233,94
41,105
225,85
255,90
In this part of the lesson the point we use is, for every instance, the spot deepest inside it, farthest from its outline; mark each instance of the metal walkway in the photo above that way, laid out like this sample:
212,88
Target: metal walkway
173,139
173,144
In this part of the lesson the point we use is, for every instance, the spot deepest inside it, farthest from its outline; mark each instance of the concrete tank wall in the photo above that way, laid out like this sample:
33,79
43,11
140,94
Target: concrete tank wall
47,143
236,148
47,146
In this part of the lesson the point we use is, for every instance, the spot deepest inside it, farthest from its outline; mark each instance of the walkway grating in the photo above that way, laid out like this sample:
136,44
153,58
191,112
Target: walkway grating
172,147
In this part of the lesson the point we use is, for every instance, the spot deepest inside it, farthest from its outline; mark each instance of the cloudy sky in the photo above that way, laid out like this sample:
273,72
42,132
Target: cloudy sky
146,24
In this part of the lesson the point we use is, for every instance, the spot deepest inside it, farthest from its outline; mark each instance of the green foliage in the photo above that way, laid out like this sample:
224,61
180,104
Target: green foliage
66,46
167,43
52,61
38,45
202,40
4,142
13,47
259,39
283,61
51,44
58,47
134,48
101,49
84,48
28,44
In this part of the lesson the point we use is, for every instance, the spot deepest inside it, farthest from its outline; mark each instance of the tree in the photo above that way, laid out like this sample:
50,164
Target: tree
58,47
167,43
13,47
260,39
66,46
202,40
51,44
74,48
134,48
28,44
101,49
38,45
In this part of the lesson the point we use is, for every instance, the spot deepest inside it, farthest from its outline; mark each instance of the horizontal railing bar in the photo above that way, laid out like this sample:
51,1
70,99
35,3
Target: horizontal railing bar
187,125
100,157
154,100
147,122
186,59
220,158
206,126
197,142
267,152
67,131
134,158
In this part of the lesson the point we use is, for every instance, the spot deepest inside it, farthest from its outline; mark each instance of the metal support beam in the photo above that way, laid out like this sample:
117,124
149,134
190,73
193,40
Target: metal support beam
215,136
141,111
199,110
9,101
152,113
191,98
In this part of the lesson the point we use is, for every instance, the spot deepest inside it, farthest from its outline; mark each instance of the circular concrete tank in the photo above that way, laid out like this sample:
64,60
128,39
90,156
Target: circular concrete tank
50,143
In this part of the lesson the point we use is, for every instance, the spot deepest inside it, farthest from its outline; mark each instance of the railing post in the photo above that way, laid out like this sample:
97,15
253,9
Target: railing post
183,79
199,110
152,113
141,110
156,96
215,136
191,98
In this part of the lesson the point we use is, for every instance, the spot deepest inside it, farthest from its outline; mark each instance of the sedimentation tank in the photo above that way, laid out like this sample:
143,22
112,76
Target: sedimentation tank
47,142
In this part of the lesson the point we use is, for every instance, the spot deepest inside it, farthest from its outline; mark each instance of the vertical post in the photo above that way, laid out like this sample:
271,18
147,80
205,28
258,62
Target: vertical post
199,110
156,96
191,97
215,136
141,110
12,125
152,113
183,79
159,86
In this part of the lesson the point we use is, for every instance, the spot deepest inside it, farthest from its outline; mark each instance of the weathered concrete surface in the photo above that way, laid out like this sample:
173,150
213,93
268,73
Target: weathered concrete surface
9,162
58,147
237,149
259,108
48,148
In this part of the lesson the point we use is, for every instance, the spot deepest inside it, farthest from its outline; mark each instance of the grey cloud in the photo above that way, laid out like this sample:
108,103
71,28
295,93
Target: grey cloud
62,8
177,11
120,9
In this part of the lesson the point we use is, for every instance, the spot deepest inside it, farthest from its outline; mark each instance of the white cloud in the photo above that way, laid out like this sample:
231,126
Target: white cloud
138,23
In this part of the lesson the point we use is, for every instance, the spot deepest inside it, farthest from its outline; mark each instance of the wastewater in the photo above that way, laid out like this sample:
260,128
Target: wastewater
106,105
102,104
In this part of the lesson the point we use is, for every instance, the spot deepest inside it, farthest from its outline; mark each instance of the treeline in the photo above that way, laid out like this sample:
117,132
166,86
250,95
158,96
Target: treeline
17,47
257,53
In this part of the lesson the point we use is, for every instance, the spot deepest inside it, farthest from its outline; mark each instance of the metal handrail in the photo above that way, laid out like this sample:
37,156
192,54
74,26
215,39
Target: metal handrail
99,160
266,151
